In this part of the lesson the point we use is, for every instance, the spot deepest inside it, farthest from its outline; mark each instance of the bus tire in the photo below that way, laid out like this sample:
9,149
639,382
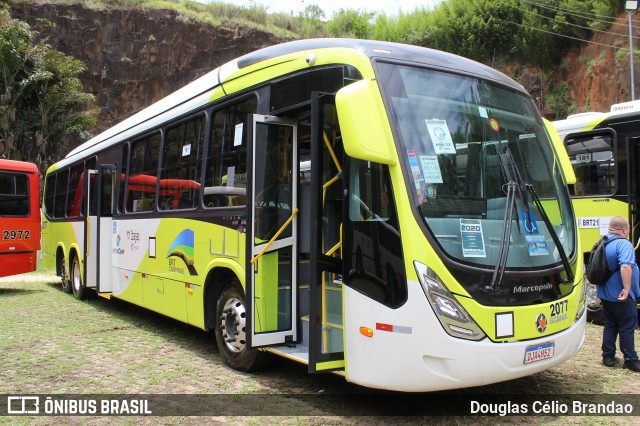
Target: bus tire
61,271
77,286
230,328
595,316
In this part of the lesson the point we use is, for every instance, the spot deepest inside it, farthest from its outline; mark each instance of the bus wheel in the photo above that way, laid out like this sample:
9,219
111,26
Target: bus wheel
61,271
230,330
78,288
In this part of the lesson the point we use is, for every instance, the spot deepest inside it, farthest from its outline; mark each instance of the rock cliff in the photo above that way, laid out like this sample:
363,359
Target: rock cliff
134,57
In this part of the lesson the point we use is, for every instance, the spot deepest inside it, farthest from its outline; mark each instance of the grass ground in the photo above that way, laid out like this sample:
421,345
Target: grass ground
53,344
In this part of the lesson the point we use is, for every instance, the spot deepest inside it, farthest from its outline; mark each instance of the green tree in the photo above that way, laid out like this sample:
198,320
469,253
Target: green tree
351,23
42,102
311,22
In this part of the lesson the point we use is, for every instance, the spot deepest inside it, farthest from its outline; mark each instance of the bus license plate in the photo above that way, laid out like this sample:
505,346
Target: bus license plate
539,352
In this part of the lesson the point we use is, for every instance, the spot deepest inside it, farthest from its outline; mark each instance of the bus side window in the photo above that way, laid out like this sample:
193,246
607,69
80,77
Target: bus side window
226,168
142,176
75,190
373,260
59,202
180,173
369,192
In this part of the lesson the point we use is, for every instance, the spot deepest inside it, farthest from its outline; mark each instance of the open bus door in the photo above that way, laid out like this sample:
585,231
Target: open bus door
98,228
272,206
326,350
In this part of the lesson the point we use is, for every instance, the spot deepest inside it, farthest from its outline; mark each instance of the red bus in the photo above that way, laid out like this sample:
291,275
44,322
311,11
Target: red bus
19,217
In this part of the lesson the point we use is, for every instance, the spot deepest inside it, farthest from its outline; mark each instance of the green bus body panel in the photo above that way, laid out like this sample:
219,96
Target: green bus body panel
485,316
596,207
153,283
266,294
330,365
58,235
266,70
561,152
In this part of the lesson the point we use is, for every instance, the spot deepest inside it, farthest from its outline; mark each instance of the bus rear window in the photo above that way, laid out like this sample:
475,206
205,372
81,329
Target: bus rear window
14,194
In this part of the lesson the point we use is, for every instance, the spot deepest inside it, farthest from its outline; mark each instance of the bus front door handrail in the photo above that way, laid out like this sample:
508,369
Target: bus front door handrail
275,237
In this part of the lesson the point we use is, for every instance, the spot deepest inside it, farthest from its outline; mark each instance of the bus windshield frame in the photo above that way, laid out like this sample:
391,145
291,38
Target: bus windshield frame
477,156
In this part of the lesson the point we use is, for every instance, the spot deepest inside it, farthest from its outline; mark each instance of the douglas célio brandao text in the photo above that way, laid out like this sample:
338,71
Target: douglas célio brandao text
551,407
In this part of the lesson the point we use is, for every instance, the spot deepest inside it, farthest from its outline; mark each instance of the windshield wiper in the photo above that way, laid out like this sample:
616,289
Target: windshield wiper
521,190
510,207
554,235
508,178
503,252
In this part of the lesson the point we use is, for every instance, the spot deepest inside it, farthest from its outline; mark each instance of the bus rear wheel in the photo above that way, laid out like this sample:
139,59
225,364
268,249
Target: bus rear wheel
77,286
230,330
61,271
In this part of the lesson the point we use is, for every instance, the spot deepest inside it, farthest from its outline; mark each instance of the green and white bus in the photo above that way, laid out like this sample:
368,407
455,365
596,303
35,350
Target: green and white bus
604,149
390,213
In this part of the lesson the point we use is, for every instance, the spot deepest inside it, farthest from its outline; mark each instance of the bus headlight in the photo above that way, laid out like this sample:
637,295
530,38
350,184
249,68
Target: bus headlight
452,316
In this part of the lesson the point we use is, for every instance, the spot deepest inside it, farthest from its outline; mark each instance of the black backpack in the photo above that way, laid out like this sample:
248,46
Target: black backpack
598,271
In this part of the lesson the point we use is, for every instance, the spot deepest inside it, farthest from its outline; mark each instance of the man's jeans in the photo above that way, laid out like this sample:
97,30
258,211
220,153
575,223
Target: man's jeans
620,318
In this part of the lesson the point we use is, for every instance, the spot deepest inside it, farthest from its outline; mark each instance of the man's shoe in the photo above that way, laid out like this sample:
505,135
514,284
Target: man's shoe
633,365
610,361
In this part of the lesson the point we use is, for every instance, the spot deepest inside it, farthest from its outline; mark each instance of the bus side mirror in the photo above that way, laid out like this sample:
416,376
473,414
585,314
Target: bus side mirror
364,125
561,150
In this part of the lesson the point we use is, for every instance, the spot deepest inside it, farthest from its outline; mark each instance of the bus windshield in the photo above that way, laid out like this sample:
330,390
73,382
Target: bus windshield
482,169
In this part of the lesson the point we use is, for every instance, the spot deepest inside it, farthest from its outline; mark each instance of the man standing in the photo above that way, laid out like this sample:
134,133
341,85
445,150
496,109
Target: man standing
618,296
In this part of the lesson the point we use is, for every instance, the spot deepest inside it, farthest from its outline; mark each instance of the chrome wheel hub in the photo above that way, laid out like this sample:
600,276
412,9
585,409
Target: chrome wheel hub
233,325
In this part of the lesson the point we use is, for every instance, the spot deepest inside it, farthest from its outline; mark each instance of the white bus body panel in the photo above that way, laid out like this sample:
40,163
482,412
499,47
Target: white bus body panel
78,233
422,357
132,241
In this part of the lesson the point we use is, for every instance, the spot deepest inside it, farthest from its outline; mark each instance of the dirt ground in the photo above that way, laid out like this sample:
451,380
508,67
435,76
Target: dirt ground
52,344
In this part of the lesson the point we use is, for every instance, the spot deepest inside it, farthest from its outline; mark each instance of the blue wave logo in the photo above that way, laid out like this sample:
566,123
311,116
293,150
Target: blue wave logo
183,247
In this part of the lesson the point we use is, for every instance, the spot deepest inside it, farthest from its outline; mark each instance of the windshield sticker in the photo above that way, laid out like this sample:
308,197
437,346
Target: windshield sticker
483,112
237,135
472,239
440,136
415,170
431,169
495,126
603,224
527,136
530,226
537,245
583,158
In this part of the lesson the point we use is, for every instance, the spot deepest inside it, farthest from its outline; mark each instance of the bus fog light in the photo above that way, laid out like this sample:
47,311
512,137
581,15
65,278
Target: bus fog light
452,316
461,330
